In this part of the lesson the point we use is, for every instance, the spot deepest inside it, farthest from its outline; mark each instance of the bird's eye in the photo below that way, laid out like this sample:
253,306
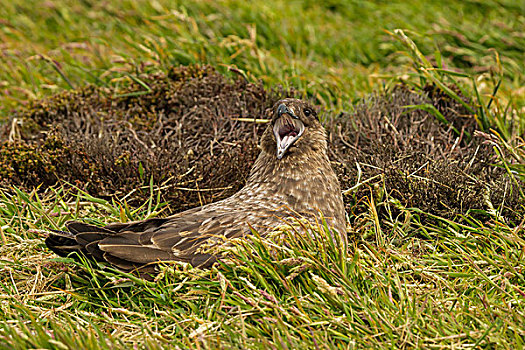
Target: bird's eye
307,112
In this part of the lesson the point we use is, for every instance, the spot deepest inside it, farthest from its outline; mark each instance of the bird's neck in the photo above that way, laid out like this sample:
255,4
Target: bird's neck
292,168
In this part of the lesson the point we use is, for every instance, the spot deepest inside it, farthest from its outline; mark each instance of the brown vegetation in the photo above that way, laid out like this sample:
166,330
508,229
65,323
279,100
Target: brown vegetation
180,130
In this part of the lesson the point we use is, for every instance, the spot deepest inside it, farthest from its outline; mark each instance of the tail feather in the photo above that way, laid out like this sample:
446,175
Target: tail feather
90,240
62,243
94,251
136,226
79,227
85,238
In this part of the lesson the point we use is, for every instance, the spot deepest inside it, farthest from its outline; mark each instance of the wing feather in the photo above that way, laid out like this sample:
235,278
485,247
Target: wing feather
136,245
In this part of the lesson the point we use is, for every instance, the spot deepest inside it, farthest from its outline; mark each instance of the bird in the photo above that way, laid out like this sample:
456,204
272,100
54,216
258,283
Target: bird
291,177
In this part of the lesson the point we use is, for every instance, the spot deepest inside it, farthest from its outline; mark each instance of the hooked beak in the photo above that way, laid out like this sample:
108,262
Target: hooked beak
282,109
287,129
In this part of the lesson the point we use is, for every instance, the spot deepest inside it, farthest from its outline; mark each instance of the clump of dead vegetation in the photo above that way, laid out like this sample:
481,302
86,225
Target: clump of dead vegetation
445,168
181,130
178,129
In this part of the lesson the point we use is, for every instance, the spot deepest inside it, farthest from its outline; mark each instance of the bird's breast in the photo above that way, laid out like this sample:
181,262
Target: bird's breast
304,185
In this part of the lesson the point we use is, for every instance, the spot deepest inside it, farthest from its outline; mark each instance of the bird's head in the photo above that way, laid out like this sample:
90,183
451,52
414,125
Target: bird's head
294,129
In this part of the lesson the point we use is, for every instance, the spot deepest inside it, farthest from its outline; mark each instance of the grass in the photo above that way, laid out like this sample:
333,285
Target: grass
337,51
422,286
404,281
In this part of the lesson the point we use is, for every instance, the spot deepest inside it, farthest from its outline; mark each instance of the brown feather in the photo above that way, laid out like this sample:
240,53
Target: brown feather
122,264
78,227
85,238
291,177
94,251
136,253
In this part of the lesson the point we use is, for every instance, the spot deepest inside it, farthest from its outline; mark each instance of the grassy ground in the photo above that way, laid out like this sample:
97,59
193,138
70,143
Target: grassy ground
335,50
404,282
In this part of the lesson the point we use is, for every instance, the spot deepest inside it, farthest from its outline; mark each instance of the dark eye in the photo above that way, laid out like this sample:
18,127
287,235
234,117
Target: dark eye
307,112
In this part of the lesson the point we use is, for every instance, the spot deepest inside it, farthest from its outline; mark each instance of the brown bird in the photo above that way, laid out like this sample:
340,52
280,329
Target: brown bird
291,177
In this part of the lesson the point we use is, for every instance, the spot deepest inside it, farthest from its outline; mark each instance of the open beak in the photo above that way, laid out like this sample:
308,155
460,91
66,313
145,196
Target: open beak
287,129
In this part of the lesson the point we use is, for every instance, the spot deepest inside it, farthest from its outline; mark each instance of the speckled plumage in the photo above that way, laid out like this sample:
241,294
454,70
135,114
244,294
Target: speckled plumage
301,183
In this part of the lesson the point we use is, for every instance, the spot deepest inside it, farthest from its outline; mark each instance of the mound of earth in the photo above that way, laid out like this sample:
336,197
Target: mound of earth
181,129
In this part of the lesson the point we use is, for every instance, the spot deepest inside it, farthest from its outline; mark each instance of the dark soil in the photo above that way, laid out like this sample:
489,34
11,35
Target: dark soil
182,133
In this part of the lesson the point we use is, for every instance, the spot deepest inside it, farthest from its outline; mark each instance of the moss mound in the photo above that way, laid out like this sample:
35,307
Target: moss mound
180,129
